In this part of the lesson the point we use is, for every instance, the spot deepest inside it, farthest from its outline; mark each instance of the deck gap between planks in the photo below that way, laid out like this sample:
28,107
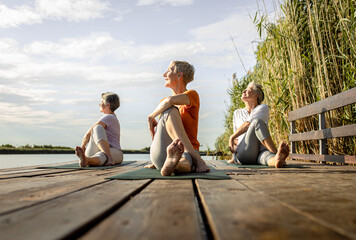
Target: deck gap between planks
76,234
305,214
206,229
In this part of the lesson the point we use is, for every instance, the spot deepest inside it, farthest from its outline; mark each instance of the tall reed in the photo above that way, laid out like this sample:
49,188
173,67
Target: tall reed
307,55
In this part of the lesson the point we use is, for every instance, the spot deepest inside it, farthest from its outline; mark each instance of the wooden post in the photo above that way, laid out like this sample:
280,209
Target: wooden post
292,130
322,142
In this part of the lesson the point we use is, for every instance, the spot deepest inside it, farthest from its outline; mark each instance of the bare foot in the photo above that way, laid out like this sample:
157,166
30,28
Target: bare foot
110,163
231,161
201,166
83,162
150,166
174,154
282,154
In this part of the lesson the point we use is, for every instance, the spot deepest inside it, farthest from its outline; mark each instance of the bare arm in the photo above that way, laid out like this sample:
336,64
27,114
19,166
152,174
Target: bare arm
179,99
241,130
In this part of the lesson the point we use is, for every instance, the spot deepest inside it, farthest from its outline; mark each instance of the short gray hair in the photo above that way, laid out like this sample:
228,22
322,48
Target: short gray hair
112,98
186,68
257,88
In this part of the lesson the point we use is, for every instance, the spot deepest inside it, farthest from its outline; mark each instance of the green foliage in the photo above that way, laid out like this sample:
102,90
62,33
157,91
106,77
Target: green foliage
146,149
307,55
34,146
7,146
235,93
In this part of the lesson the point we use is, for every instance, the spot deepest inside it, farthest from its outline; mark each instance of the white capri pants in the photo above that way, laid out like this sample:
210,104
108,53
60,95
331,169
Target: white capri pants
92,150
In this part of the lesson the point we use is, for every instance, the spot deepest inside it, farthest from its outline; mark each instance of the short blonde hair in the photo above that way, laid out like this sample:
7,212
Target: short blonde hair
257,88
184,67
112,98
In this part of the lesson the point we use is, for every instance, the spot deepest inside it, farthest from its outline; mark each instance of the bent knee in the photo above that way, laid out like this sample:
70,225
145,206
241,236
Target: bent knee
257,121
97,128
172,111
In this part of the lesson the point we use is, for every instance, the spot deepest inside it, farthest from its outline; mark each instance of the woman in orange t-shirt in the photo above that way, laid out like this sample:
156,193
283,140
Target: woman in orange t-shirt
175,147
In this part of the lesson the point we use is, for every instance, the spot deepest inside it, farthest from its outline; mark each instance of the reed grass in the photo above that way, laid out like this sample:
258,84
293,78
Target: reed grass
308,54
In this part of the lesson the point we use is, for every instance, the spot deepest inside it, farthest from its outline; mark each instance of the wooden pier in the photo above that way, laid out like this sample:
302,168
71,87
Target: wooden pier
315,201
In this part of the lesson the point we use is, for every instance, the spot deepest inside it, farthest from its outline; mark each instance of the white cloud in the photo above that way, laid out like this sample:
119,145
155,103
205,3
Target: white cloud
32,94
217,39
18,16
20,114
162,2
99,46
120,13
70,10
77,48
237,25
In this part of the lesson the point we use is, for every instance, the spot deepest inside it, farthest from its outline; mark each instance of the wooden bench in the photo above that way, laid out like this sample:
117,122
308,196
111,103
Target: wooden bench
339,100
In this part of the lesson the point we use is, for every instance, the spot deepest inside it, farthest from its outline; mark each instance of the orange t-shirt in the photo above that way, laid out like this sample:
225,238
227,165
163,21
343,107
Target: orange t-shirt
190,117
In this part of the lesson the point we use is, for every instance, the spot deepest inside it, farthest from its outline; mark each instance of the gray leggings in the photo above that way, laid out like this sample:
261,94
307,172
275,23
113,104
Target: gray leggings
161,140
248,150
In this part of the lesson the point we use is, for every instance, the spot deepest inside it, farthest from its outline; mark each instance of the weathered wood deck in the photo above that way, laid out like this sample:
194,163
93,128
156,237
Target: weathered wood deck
316,202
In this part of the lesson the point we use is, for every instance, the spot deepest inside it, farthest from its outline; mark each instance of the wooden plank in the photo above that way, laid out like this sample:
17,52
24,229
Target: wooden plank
344,131
166,209
338,184
292,131
322,142
25,168
38,172
236,212
324,158
324,198
65,216
17,194
13,172
33,172
339,100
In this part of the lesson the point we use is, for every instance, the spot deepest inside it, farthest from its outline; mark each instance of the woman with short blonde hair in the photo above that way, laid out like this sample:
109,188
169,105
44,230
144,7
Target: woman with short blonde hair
175,147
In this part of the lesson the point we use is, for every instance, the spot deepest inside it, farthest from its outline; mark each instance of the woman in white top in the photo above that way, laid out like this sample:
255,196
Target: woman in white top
251,142
101,143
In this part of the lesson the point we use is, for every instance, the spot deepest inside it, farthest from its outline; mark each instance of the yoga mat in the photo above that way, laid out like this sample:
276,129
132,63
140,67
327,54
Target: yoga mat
76,166
246,166
148,173
263,166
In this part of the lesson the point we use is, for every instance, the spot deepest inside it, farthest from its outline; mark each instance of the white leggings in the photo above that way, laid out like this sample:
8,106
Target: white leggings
97,134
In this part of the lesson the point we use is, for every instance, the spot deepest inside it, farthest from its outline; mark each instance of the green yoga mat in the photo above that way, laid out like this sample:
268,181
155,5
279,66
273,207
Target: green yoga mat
263,166
147,173
246,166
76,166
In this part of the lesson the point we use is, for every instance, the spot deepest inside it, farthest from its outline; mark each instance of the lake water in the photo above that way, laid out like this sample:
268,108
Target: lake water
24,160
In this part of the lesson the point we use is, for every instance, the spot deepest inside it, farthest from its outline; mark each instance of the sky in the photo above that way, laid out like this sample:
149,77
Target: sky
58,56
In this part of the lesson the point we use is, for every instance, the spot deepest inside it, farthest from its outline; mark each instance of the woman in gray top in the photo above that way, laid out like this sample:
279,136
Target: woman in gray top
101,143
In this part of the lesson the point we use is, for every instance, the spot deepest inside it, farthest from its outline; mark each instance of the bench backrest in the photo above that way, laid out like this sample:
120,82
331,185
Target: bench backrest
339,100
